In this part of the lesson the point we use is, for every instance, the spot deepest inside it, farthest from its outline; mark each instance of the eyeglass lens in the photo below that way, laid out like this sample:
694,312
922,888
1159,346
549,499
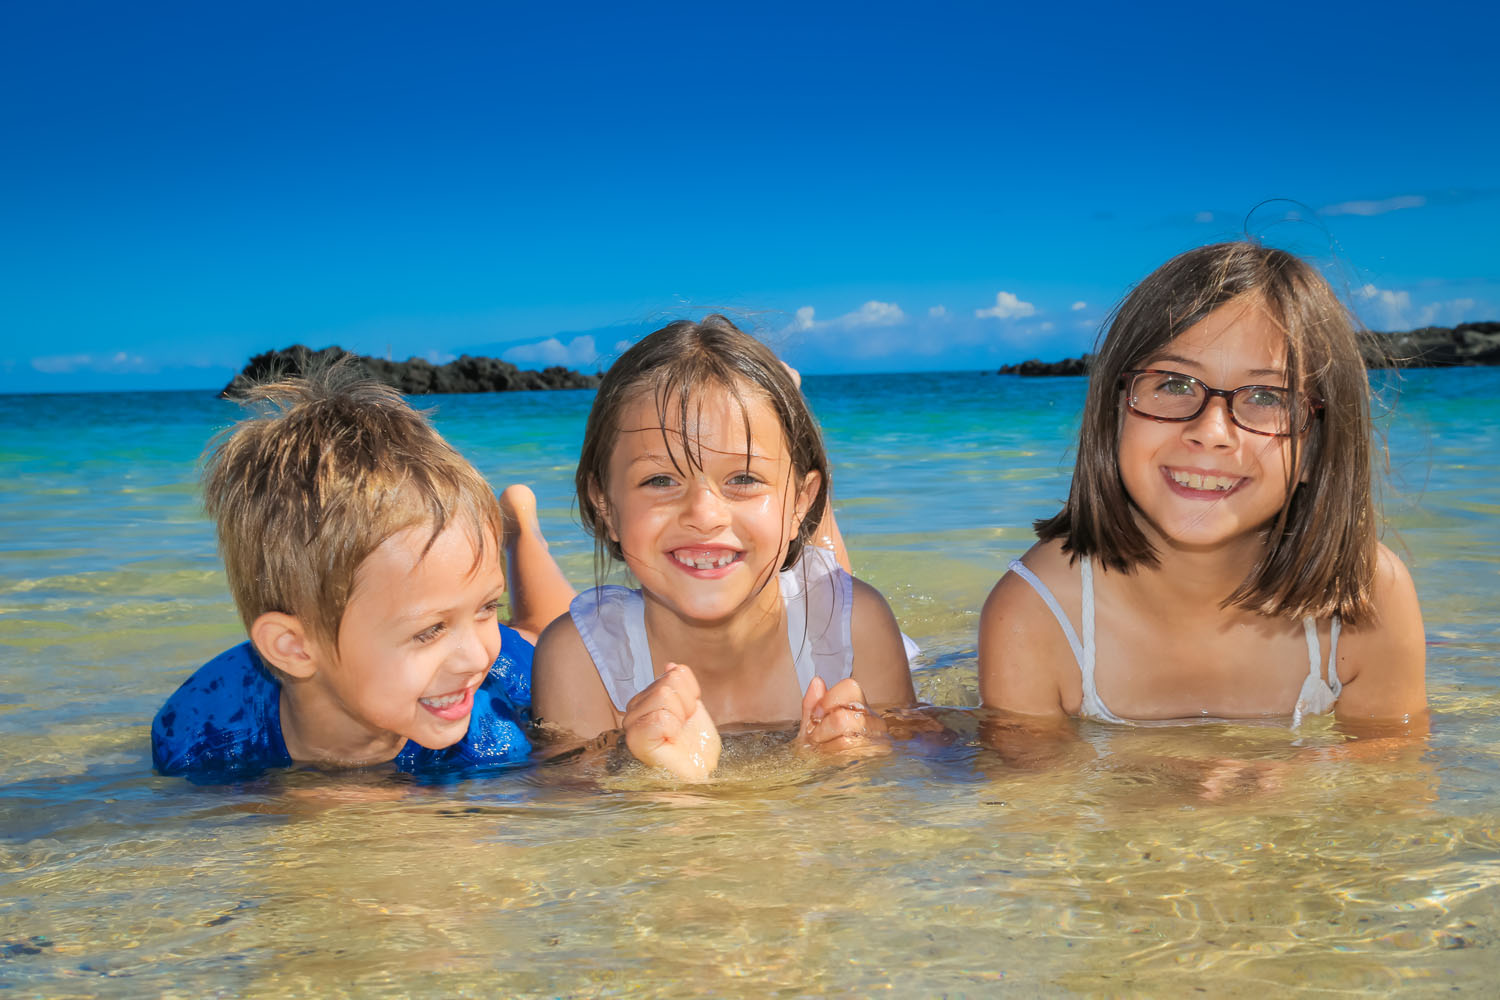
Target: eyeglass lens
1170,396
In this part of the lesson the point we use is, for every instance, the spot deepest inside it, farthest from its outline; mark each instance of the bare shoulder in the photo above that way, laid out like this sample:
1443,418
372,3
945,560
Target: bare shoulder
566,691
879,654
1383,663
1026,663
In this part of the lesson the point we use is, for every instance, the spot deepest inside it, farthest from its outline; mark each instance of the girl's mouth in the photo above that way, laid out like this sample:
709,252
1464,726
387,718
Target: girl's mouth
706,559
1199,482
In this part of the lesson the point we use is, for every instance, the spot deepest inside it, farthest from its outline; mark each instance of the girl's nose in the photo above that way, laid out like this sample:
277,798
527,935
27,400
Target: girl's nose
706,509
1213,428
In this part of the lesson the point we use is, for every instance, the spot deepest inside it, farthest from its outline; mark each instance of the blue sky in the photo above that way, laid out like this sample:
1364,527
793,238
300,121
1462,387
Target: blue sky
944,185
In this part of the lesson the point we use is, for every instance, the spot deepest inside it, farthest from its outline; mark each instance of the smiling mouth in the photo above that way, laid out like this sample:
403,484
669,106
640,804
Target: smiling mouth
1198,481
446,700
706,558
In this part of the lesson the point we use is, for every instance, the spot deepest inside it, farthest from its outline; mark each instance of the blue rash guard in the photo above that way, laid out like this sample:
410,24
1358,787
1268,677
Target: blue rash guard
224,722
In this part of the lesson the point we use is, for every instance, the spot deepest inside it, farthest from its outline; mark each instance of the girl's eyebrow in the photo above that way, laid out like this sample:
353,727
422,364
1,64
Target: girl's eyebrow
1252,372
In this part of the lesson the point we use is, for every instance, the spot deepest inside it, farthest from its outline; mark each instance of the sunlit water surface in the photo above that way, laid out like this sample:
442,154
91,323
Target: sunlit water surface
1240,860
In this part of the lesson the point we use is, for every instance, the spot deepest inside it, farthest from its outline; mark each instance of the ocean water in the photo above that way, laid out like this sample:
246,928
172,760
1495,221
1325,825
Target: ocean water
1136,865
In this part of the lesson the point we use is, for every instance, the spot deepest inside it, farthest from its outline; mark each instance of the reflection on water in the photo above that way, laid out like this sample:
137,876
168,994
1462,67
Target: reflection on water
1237,859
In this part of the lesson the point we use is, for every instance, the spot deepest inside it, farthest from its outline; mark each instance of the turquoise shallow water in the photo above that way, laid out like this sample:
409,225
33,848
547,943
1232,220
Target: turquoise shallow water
1125,868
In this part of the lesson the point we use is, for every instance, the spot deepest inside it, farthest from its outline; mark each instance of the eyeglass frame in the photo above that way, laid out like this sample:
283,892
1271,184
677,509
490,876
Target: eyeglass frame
1313,405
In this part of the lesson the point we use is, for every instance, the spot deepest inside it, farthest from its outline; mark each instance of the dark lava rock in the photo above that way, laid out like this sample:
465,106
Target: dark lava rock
415,376
1465,345
1067,366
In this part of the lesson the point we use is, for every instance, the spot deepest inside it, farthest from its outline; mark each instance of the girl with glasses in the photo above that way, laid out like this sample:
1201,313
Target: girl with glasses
1217,555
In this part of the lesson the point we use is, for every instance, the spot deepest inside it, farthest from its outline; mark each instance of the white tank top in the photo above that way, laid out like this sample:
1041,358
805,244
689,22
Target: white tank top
1316,697
819,599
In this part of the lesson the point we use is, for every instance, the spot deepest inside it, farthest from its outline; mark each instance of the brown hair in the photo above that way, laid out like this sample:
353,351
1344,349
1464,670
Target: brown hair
1320,554
331,466
675,365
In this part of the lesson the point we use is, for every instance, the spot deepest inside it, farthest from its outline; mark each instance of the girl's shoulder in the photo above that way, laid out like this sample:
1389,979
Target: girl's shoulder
566,689
1026,660
1383,662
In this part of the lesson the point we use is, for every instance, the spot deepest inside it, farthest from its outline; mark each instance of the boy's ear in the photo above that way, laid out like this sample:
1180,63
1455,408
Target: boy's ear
287,644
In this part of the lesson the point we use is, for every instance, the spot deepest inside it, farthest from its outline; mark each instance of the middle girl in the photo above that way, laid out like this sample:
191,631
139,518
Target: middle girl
703,470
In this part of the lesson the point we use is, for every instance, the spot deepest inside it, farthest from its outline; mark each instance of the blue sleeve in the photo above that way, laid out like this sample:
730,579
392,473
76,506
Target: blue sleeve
511,673
223,723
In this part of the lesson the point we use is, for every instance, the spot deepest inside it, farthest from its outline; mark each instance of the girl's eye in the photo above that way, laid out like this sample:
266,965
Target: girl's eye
430,633
658,482
744,479
1267,399
1177,385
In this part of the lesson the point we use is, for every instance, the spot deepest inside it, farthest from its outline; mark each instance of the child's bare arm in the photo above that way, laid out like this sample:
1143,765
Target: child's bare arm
880,665
566,691
1020,645
1384,663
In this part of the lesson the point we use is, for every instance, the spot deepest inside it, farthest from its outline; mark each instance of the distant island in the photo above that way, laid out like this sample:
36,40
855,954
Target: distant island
414,376
1465,345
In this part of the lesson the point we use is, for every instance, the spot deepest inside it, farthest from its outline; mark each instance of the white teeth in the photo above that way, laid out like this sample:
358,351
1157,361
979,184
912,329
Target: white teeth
443,702
1198,481
705,562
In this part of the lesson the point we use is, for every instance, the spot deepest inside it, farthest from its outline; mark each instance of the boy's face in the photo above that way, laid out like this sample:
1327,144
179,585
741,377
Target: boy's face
417,638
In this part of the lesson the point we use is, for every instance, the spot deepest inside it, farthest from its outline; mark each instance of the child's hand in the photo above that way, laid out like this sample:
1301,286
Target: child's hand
667,726
837,718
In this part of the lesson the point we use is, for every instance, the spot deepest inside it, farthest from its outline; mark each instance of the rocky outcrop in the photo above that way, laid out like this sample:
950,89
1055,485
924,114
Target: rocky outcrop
1067,366
414,376
1465,345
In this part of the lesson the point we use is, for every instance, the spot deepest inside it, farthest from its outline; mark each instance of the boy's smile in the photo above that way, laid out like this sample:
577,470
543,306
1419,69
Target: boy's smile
418,637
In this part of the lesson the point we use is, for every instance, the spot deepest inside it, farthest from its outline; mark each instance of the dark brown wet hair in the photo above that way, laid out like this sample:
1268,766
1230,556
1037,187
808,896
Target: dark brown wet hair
675,365
1320,551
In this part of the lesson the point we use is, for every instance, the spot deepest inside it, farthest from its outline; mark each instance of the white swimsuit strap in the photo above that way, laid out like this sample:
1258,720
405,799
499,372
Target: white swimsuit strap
1019,568
1084,651
1318,695
1093,706
796,628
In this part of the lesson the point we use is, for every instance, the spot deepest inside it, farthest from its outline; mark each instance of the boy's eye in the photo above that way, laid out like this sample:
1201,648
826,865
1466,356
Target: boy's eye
490,610
430,633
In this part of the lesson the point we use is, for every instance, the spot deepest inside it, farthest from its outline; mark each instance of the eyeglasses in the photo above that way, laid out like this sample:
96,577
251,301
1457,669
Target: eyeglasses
1260,409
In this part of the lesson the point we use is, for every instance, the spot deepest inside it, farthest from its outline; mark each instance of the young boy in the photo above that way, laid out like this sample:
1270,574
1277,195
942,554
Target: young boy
363,553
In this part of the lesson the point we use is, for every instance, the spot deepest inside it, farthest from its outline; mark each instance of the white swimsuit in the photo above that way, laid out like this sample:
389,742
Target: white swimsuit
1316,697
819,599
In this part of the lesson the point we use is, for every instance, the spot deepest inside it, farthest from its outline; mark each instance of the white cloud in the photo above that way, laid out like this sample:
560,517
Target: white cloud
1203,217
1079,306
1007,306
870,314
938,312
118,363
1388,309
1047,327
1374,207
576,353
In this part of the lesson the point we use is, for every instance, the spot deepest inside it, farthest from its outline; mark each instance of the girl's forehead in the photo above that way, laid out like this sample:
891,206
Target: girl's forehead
1241,336
712,411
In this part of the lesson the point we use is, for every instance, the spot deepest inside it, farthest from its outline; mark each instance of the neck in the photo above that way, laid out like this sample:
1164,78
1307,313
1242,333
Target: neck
318,729
721,650
1187,578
